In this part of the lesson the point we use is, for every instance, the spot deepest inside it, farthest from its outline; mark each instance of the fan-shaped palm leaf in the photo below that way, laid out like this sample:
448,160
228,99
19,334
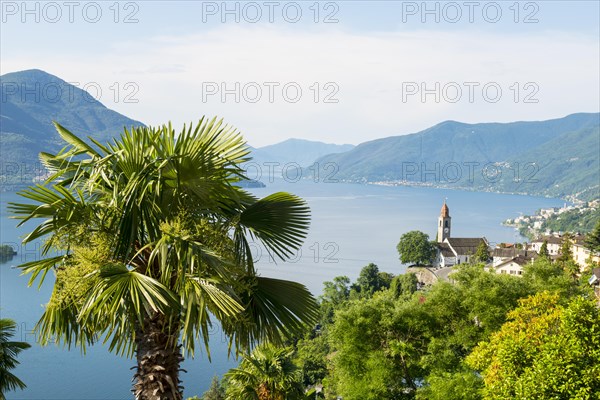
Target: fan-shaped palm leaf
177,232
9,350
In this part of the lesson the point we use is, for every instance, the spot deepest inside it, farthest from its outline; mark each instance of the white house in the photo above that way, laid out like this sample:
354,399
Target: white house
513,266
511,260
500,255
581,253
554,243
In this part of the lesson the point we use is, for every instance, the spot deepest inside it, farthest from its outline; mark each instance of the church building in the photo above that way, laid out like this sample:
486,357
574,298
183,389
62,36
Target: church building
450,250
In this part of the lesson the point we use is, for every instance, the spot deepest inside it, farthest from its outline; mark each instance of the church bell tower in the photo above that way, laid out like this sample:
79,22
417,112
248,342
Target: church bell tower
444,224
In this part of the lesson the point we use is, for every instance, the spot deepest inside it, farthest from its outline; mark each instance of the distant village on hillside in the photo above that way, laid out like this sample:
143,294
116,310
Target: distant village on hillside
504,258
552,221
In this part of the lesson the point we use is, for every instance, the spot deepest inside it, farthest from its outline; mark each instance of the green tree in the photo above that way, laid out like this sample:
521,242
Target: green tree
542,337
544,250
9,350
403,343
566,254
385,280
464,313
268,373
488,296
415,247
482,254
460,385
370,280
311,357
215,391
566,257
404,285
360,368
544,274
334,293
153,234
377,344
592,240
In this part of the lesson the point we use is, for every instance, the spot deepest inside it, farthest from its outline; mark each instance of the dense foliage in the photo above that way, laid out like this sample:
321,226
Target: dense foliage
572,221
267,373
481,336
546,351
593,239
482,254
216,391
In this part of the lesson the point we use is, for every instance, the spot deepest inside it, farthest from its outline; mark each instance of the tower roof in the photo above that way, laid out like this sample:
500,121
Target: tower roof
445,213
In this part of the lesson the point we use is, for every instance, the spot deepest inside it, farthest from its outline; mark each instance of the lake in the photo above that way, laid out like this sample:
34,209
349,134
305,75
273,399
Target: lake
352,225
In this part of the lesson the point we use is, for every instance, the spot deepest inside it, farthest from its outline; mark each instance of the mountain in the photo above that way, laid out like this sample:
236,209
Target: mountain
568,165
557,157
30,101
300,151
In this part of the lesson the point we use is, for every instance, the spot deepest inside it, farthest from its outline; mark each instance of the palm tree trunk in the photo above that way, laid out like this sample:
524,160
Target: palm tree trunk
158,358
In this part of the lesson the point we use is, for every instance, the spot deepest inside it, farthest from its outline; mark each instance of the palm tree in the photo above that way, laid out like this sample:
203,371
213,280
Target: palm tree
149,238
267,373
8,357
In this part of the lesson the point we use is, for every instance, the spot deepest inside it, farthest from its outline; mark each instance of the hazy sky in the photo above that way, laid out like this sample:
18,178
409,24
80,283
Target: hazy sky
340,72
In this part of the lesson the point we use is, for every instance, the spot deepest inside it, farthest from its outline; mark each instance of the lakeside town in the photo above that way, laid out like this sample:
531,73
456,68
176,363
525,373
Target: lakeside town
511,258
576,218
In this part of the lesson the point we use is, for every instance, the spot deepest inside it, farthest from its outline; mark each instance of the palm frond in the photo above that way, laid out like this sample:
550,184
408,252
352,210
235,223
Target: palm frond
275,310
60,324
78,145
120,300
280,221
199,297
128,190
57,204
10,382
41,266
9,350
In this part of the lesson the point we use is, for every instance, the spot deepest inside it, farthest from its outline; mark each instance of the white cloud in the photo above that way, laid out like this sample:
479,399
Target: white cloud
369,69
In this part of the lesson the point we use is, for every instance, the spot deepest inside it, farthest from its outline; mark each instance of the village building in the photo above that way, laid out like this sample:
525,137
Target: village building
507,259
511,261
581,254
502,255
553,244
453,251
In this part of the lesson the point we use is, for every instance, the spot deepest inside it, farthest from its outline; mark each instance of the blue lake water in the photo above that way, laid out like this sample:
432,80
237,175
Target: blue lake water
352,225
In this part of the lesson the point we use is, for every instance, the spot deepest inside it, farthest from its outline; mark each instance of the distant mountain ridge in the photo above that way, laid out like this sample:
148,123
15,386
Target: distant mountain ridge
557,157
300,151
31,100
